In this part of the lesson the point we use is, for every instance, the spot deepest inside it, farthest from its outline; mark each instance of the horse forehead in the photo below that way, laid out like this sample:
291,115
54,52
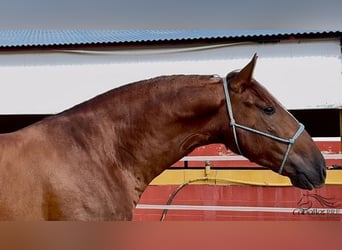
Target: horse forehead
261,93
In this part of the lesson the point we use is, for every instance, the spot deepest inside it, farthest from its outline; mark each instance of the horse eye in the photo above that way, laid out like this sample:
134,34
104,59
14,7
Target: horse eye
269,110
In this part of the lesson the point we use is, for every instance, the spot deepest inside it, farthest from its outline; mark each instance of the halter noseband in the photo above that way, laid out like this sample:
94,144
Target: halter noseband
235,125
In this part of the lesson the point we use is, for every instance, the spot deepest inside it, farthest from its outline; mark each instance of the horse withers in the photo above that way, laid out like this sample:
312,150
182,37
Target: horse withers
93,161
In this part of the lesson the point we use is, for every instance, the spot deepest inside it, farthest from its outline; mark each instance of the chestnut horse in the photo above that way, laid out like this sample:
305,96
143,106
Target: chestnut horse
93,161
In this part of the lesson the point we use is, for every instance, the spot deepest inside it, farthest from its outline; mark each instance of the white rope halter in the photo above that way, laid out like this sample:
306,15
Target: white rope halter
235,125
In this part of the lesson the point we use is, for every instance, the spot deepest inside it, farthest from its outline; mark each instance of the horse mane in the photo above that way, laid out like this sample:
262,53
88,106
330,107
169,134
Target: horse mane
146,86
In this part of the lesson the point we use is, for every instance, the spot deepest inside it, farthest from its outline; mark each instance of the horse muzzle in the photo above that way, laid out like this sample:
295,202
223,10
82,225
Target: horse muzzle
310,177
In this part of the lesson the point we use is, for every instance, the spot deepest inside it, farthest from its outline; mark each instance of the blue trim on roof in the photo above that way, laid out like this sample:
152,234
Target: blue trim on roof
20,38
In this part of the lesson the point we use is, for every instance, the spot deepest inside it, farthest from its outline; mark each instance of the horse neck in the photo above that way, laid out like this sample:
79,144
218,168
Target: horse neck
164,120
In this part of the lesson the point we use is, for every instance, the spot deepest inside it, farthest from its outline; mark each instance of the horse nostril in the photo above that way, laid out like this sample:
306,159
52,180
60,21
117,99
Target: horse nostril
324,173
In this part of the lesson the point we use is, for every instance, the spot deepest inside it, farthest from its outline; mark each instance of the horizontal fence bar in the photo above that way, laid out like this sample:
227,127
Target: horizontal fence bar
327,139
241,209
241,158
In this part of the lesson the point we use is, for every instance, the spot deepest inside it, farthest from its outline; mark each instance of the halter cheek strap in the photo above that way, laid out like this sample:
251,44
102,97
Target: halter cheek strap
235,125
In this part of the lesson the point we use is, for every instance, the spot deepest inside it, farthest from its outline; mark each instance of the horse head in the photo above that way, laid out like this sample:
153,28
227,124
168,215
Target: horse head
266,133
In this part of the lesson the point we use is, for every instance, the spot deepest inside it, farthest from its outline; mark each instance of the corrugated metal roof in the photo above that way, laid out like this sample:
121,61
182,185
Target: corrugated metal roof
21,38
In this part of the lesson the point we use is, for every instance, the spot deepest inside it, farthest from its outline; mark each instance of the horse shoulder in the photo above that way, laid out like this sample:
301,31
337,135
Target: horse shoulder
19,184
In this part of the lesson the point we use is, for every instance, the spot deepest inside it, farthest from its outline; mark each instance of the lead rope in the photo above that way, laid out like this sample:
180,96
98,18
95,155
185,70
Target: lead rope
234,125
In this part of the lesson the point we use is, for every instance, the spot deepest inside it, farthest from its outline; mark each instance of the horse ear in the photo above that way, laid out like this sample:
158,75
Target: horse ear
245,75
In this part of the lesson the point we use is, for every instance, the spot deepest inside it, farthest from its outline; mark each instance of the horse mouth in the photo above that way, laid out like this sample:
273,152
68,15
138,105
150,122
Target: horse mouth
301,180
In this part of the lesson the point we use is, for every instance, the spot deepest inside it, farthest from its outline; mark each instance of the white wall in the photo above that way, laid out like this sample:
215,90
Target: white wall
299,74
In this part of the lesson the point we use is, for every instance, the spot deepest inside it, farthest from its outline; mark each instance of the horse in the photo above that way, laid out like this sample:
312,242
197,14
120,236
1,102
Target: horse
93,161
